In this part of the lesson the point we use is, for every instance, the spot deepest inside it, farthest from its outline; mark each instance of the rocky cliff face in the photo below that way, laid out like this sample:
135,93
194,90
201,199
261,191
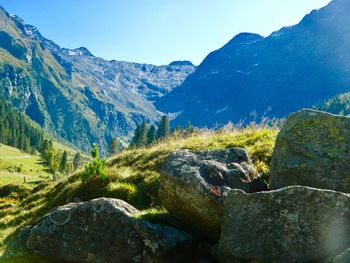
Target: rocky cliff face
75,95
293,68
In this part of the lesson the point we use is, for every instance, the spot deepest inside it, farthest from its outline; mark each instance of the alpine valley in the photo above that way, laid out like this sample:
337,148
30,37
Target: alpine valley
77,97
166,180
82,99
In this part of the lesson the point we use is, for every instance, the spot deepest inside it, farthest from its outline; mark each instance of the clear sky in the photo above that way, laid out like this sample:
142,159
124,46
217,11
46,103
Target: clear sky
156,31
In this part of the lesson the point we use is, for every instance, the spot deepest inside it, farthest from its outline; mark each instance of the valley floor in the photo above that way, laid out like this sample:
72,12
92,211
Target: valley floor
19,167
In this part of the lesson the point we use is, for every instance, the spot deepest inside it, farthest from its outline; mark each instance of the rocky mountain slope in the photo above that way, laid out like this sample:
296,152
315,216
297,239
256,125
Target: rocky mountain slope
293,68
75,95
339,104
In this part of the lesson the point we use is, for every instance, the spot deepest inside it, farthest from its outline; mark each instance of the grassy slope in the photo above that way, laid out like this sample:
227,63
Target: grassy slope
134,177
15,165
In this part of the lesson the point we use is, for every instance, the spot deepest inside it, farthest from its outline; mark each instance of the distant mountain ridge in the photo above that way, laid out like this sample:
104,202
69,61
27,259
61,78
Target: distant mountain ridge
75,95
293,68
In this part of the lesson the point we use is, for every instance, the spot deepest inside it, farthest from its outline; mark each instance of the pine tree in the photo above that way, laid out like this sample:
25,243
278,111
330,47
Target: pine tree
140,136
64,162
164,127
17,130
115,146
94,153
77,161
136,137
151,135
95,171
54,161
143,134
26,146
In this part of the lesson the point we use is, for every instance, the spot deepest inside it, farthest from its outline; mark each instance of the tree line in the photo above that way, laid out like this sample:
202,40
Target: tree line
18,131
59,161
144,136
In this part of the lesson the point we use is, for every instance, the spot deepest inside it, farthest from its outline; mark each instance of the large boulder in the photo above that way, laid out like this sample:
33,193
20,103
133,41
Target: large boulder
192,185
293,224
101,230
312,149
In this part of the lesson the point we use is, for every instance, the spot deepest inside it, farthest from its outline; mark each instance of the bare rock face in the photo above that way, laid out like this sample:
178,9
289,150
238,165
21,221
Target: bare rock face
313,149
101,230
293,224
193,185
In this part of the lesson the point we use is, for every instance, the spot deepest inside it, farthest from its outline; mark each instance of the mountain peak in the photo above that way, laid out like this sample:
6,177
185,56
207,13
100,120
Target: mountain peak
296,67
81,51
245,38
181,63
17,18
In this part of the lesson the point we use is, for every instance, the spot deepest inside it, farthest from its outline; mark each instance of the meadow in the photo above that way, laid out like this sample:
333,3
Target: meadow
19,167
133,176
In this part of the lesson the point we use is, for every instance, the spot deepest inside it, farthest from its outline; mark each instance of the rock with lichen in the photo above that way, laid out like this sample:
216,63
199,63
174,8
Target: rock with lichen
312,149
192,185
101,230
293,224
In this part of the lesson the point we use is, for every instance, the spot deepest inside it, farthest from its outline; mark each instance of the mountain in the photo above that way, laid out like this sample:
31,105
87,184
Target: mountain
74,95
293,68
339,104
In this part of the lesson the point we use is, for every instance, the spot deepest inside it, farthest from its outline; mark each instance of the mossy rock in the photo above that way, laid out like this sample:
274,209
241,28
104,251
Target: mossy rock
312,149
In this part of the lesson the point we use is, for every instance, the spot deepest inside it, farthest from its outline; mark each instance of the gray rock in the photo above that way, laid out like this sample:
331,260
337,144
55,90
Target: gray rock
101,230
192,185
313,149
293,224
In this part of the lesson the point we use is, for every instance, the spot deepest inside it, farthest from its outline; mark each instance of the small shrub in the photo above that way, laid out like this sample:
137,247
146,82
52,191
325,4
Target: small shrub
96,169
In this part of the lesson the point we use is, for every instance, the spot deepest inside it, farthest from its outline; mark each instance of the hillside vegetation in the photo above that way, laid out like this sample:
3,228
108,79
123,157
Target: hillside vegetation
17,166
133,177
17,130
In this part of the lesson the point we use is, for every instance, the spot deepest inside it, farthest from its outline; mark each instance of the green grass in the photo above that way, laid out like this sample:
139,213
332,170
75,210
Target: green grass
134,177
16,165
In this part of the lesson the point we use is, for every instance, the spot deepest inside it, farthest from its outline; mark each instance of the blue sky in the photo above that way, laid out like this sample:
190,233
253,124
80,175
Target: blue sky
156,31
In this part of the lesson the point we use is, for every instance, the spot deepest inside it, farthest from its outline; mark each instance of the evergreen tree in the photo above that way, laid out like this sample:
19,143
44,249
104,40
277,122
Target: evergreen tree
164,127
94,153
64,162
140,136
54,161
26,145
95,171
17,130
151,135
115,146
143,134
136,137
46,146
77,161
